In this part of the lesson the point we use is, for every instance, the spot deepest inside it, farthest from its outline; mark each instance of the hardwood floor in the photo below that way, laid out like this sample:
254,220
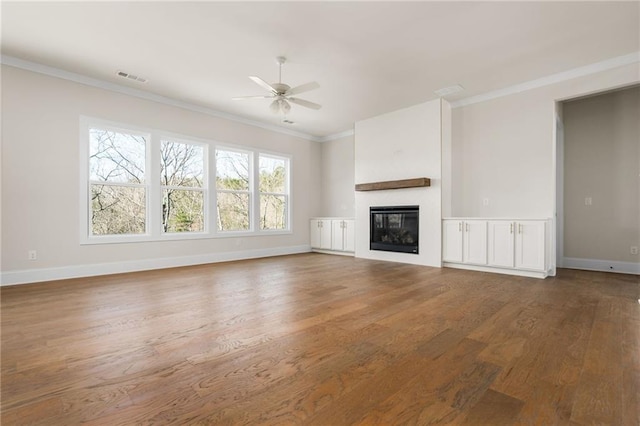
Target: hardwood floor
326,340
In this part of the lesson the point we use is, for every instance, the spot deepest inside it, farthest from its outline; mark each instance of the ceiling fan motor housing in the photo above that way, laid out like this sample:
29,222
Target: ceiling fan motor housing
281,88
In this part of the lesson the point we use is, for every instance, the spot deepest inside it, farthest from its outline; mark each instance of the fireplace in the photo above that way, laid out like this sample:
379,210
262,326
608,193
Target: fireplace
394,228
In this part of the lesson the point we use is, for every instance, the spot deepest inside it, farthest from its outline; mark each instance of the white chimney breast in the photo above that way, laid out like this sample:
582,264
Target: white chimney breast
402,144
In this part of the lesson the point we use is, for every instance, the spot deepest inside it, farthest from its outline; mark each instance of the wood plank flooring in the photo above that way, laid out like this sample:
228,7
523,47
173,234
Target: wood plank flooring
322,340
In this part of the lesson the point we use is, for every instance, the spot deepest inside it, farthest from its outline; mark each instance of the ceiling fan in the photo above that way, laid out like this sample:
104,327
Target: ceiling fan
282,93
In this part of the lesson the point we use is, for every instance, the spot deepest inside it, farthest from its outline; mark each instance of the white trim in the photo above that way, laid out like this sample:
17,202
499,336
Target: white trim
335,136
339,253
80,271
552,79
480,268
286,194
559,186
153,231
601,265
118,88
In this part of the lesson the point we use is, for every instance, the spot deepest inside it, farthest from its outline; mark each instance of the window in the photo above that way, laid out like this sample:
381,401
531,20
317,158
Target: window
117,182
182,179
147,185
274,192
233,190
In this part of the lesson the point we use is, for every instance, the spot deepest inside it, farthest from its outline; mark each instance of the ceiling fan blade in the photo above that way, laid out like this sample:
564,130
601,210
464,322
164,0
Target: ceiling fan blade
304,103
302,88
242,98
260,82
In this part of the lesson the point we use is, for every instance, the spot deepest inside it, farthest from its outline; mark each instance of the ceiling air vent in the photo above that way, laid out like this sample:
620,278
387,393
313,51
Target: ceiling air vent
131,77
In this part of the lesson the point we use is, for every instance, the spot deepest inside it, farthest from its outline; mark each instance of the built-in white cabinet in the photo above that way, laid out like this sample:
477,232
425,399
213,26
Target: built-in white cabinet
320,236
530,244
343,235
452,240
501,243
509,246
474,242
518,244
465,241
333,235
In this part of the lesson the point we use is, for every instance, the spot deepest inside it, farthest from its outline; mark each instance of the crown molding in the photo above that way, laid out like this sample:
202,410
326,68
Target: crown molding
335,136
608,64
118,88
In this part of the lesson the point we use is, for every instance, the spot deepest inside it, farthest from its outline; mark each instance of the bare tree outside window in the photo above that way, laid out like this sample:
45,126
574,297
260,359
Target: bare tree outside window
273,192
182,180
232,186
117,182
138,178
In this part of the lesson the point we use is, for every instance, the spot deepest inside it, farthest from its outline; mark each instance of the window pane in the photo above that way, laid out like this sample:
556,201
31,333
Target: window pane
273,175
232,170
116,157
117,210
181,164
273,212
182,211
233,211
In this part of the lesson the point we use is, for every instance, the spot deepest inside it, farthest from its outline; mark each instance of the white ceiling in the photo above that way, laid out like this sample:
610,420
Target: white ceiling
369,57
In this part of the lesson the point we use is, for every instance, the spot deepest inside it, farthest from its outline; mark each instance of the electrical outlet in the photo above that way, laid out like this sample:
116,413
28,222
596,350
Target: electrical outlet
33,255
634,250
485,201
588,201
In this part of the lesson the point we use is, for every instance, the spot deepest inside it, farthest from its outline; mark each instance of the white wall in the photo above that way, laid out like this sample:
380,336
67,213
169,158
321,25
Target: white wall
447,171
503,149
40,169
602,163
338,163
403,144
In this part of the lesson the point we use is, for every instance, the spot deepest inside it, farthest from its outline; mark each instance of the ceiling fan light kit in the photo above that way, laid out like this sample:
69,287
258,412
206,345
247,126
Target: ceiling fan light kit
281,93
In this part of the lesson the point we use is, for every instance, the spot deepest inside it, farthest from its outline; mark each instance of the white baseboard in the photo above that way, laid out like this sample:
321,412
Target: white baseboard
339,253
505,271
601,265
80,271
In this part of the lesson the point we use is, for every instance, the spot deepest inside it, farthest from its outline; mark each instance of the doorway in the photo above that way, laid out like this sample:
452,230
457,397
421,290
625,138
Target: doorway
598,181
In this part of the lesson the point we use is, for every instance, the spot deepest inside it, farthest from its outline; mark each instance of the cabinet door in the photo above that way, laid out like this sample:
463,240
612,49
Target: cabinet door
337,237
474,242
320,234
501,243
325,234
314,233
452,240
530,245
349,235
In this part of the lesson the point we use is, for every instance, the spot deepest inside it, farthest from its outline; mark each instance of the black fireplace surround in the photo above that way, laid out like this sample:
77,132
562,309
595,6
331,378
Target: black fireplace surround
394,228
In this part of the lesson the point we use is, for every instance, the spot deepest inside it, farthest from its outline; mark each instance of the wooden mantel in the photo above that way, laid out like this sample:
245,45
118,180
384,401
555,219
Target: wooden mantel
394,184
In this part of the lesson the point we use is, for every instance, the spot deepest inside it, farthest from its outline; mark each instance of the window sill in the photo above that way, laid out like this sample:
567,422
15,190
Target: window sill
179,237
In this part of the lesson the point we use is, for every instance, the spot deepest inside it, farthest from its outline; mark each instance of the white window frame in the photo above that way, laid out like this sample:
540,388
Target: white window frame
286,194
154,188
204,189
85,183
250,191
